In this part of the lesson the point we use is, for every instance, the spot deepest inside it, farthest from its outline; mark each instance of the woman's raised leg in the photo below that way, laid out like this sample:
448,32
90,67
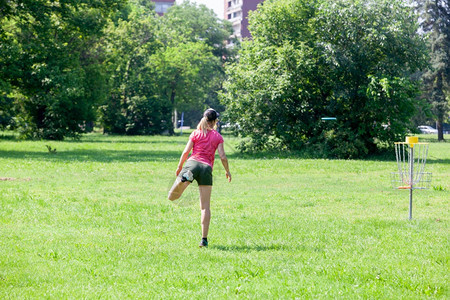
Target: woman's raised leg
177,189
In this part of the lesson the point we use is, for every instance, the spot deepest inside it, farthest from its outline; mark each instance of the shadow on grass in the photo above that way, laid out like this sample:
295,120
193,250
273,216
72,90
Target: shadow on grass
158,155
388,156
108,156
139,155
438,161
106,140
123,141
304,155
257,248
7,138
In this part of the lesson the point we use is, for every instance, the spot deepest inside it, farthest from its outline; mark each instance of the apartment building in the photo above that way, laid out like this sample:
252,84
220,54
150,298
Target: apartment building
236,11
161,6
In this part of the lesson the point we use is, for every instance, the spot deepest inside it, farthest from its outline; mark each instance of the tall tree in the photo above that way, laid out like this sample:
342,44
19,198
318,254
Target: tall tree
192,60
184,74
372,49
436,22
162,64
58,66
9,69
189,22
133,106
309,59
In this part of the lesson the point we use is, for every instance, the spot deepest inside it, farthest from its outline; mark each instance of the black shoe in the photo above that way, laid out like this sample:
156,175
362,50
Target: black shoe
203,243
187,176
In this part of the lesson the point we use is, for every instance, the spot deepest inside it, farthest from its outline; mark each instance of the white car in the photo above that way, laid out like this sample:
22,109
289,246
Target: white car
427,129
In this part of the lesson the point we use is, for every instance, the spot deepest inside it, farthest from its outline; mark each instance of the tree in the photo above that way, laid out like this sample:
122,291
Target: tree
191,64
310,59
184,73
133,106
162,64
9,71
436,23
56,57
372,49
189,22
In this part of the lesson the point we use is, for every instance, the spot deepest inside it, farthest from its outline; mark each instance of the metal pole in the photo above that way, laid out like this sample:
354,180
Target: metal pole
411,178
181,123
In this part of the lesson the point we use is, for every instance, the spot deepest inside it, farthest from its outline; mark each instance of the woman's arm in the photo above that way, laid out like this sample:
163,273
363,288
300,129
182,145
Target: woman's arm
184,156
224,160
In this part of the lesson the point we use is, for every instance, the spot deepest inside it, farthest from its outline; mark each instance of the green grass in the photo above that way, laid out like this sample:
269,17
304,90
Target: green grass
92,221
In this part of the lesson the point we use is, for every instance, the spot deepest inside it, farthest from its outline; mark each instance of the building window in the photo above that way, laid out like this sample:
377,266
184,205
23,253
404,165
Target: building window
229,16
162,7
229,3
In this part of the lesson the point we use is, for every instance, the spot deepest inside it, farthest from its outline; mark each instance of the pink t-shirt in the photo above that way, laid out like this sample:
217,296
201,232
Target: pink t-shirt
205,146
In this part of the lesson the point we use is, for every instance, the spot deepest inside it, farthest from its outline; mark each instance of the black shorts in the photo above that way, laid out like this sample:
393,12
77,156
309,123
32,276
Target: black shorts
202,172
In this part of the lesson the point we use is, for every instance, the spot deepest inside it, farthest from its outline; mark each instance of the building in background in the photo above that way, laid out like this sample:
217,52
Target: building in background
161,6
236,11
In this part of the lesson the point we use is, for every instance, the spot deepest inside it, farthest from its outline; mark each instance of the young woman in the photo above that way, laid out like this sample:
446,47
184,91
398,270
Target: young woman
203,142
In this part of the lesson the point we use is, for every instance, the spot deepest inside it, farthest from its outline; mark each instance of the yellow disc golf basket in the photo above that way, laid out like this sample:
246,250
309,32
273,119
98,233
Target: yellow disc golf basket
411,159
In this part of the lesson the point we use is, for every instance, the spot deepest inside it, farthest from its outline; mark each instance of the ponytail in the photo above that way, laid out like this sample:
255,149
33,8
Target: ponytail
204,124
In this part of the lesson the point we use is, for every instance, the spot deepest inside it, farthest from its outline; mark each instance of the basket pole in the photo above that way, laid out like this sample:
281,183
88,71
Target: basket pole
411,174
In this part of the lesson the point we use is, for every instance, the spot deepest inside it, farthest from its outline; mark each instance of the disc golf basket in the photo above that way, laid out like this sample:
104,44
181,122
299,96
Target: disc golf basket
411,159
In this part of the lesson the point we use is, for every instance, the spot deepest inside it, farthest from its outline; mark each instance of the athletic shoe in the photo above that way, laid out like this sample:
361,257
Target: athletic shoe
203,243
187,176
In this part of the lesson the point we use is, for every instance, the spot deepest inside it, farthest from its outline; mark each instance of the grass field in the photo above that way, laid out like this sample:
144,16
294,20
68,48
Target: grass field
91,220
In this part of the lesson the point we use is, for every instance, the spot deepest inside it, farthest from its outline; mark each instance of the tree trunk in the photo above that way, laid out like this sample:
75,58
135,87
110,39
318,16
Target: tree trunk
440,129
440,97
172,100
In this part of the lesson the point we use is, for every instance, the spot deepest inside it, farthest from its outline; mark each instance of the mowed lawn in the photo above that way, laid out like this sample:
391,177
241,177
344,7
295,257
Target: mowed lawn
91,220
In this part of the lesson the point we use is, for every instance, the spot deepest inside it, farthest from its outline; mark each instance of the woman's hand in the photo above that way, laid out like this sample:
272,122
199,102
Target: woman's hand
178,171
228,176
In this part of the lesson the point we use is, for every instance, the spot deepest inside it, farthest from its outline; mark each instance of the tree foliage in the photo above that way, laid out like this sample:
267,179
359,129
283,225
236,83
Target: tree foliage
65,64
162,64
132,106
188,22
435,17
195,75
53,62
311,59
184,73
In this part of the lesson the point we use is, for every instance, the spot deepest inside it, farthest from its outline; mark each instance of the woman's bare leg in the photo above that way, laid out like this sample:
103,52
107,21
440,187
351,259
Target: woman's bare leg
177,189
205,197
